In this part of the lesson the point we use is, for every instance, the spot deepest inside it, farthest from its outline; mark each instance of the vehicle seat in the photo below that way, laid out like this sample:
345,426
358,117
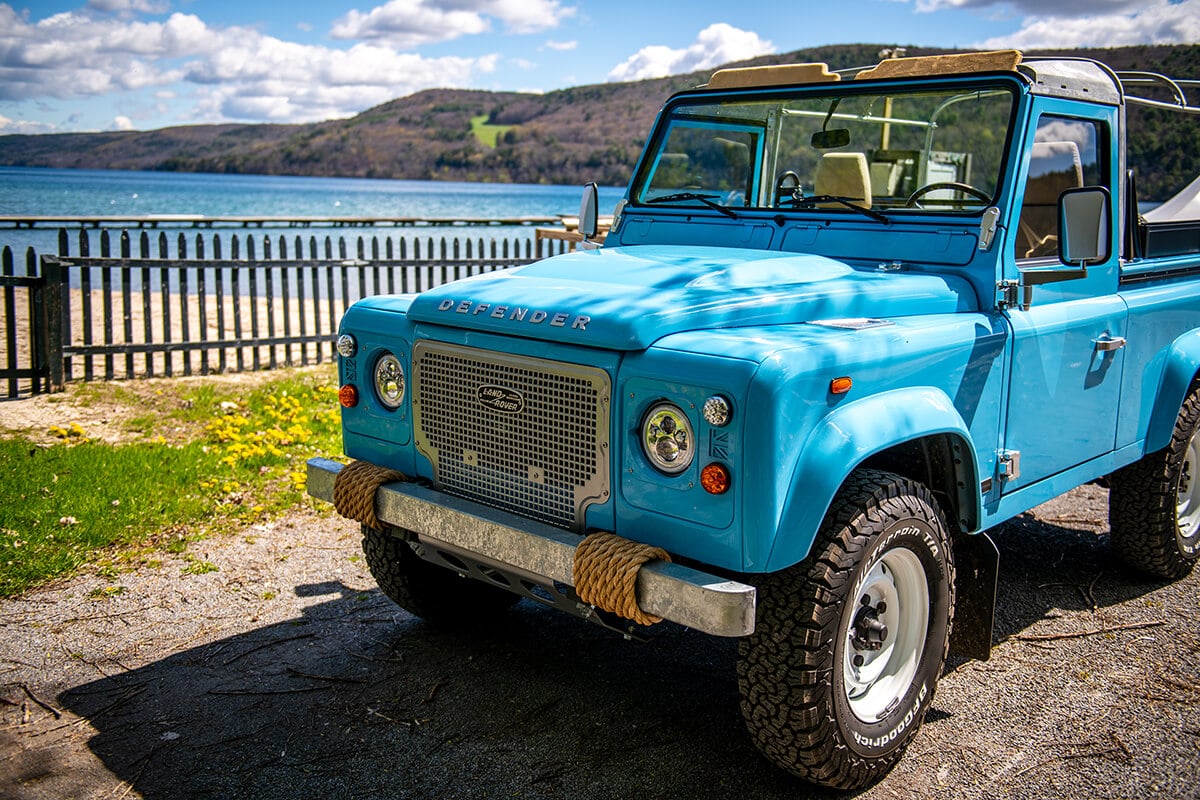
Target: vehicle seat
843,175
1054,167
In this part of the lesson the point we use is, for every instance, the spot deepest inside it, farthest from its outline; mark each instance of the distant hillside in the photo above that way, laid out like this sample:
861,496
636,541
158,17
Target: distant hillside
563,137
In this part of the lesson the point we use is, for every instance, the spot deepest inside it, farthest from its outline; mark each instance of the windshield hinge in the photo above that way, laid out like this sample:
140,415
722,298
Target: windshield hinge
987,227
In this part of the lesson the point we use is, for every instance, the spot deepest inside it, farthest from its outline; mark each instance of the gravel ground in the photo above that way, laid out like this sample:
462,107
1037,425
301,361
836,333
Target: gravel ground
287,674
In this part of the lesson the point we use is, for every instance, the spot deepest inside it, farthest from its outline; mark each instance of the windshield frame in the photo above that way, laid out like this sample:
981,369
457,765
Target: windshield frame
757,202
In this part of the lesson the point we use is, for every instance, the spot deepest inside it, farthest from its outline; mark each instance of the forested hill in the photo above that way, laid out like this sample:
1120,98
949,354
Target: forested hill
563,137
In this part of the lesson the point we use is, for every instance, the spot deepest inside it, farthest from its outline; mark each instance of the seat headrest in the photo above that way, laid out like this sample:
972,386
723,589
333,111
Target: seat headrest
844,175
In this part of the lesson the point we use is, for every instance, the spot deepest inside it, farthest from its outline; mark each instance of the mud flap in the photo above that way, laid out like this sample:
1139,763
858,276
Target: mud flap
977,563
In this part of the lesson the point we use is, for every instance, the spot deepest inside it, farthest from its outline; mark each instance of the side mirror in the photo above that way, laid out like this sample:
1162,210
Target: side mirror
1084,226
589,223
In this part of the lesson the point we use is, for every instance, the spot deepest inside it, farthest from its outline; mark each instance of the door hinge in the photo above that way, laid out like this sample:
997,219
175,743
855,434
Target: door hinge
1007,293
1008,465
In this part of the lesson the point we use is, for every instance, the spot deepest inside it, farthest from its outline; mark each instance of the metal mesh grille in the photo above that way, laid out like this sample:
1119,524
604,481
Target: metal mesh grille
547,460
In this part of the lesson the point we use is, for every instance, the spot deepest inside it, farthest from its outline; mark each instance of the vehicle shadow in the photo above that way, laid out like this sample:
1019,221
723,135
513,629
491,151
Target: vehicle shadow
357,699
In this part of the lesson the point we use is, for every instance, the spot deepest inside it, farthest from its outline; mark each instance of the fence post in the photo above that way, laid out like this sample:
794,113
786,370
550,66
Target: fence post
51,335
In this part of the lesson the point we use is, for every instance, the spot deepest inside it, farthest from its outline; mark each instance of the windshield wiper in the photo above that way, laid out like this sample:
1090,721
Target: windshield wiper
813,199
703,198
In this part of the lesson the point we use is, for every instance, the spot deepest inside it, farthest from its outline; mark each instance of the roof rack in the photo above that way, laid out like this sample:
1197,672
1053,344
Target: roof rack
1065,76
1134,80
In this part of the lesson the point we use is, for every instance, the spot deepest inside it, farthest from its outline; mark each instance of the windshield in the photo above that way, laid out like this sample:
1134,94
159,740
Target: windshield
906,152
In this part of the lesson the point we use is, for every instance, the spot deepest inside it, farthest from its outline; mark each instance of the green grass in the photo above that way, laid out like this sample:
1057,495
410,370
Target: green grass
199,460
486,133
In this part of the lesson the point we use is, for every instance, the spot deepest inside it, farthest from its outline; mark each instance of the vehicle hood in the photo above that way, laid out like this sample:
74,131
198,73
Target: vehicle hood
626,298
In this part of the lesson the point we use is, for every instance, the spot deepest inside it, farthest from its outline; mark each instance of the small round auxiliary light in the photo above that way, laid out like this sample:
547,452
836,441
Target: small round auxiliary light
348,396
346,346
840,385
716,411
715,479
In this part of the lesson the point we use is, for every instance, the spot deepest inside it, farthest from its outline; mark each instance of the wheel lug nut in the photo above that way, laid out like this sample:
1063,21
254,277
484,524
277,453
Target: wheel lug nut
859,661
882,607
866,600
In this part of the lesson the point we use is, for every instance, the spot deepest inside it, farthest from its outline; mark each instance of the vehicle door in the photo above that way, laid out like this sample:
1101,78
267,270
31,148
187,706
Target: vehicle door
1067,355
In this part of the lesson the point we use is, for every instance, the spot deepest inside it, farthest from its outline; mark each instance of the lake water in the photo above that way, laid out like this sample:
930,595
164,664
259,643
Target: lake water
88,193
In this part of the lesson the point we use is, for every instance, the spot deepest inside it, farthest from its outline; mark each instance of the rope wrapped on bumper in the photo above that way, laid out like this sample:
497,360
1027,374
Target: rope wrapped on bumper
605,574
354,490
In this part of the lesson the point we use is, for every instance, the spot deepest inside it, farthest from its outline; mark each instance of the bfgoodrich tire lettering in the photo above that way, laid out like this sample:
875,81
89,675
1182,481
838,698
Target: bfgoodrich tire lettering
1154,503
850,643
424,589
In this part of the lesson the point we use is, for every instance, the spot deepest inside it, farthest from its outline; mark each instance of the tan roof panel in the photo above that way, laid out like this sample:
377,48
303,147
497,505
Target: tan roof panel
779,75
954,64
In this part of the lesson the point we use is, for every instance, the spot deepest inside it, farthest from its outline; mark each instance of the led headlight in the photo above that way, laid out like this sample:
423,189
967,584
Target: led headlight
346,346
667,439
389,381
716,411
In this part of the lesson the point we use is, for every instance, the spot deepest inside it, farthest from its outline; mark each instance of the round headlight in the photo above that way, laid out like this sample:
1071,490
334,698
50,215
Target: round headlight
716,411
346,345
389,381
667,439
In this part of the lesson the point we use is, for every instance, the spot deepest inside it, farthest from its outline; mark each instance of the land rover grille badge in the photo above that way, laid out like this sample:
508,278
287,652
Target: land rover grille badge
500,398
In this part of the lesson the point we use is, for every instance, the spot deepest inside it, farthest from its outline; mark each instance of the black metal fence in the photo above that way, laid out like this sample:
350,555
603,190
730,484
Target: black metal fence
139,310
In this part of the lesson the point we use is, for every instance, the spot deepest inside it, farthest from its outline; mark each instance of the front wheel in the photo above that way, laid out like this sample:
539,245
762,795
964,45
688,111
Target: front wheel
427,590
1154,503
849,644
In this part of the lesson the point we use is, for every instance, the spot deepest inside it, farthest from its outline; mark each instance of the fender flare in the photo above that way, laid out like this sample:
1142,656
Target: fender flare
848,436
1181,367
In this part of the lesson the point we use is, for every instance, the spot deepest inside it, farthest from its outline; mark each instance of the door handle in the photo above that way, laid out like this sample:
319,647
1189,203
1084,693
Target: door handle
1108,344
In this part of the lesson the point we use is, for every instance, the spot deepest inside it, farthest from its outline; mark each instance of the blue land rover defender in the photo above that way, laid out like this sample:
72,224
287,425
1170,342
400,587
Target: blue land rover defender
842,324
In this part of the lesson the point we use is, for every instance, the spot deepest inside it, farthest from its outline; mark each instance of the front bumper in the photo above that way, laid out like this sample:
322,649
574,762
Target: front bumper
672,591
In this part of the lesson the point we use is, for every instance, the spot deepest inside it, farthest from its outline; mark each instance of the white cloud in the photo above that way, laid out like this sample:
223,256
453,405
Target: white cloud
128,7
411,23
8,126
719,43
121,123
1056,26
562,46
408,23
525,16
235,73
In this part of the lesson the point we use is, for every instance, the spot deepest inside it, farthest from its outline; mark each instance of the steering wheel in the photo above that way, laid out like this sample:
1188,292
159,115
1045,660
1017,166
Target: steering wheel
978,194
780,187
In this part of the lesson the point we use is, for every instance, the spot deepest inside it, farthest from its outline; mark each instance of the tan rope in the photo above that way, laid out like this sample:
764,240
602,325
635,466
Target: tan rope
354,490
605,574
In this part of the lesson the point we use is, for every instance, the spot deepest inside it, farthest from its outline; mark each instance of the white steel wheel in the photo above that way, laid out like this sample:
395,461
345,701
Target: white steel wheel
886,636
1187,495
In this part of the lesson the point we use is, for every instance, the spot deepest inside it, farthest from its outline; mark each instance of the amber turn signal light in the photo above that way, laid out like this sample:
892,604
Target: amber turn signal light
348,395
840,385
715,479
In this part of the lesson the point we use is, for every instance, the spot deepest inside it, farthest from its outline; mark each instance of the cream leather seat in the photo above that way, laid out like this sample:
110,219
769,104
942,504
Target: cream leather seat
843,175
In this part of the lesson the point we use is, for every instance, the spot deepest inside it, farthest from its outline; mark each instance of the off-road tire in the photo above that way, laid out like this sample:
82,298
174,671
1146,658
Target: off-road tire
795,670
1154,503
427,590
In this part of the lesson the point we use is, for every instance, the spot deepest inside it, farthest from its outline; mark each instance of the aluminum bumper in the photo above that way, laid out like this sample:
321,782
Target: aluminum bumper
672,591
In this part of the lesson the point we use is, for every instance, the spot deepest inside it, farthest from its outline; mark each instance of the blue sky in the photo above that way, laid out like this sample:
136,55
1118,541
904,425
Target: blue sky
93,65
